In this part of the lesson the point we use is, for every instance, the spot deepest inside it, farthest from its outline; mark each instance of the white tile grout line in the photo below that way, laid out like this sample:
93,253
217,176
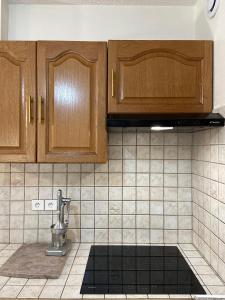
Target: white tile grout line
82,246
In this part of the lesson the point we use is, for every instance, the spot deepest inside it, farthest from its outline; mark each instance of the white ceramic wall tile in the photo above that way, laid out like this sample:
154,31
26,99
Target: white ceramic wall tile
143,189
208,173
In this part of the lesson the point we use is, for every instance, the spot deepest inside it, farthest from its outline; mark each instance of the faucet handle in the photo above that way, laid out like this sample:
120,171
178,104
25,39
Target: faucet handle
66,200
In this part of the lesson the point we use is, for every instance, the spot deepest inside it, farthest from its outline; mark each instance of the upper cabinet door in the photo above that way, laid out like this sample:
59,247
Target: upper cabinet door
17,101
160,77
72,102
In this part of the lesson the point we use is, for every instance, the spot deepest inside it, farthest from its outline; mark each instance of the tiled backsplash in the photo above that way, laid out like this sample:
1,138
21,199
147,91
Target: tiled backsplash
208,181
142,195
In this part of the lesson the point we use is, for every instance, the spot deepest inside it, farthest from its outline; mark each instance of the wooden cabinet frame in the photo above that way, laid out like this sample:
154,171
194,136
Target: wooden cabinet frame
160,77
18,101
84,139
153,77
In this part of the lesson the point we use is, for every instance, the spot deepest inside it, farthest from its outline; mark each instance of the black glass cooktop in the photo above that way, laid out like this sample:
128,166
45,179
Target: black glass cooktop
138,270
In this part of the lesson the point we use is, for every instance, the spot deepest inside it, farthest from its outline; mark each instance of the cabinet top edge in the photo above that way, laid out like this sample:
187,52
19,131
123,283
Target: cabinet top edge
104,42
163,41
52,41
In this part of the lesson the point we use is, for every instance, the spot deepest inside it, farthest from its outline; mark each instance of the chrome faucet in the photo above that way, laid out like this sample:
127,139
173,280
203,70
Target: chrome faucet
62,202
60,245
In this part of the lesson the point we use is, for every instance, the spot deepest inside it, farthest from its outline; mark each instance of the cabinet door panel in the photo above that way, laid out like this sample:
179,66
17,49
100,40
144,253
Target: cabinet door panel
160,76
73,129
17,101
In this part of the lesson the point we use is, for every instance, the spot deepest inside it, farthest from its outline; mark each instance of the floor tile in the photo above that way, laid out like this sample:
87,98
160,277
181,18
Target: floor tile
3,246
112,296
80,260
211,280
16,281
36,282
204,270
13,246
73,252
84,253
192,253
85,246
69,260
180,296
7,253
71,292
30,292
137,296
74,280
78,269
66,269
75,246
217,290
187,246
158,296
60,281
93,296
3,259
52,292
197,261
10,291
3,280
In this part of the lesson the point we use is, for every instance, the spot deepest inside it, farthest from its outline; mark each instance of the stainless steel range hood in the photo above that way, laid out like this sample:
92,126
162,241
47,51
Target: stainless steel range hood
142,120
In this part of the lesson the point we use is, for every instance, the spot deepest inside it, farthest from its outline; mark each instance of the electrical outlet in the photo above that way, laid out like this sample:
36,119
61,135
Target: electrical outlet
38,205
51,205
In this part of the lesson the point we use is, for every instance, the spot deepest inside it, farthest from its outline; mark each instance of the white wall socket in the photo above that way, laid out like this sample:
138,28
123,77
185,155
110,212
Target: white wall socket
51,204
38,205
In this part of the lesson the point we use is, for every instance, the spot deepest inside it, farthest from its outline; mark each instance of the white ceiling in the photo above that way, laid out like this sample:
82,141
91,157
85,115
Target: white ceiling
107,2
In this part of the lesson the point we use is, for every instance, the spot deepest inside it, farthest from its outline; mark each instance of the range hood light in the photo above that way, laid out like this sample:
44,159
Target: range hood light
159,128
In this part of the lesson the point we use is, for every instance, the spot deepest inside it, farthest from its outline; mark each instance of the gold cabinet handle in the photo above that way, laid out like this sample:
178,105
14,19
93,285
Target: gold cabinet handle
30,108
40,109
113,83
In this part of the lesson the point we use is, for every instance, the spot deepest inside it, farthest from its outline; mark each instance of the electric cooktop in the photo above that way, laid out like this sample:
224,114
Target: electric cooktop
138,270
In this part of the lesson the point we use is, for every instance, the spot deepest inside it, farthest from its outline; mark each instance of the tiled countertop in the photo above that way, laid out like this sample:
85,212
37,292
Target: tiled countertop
69,283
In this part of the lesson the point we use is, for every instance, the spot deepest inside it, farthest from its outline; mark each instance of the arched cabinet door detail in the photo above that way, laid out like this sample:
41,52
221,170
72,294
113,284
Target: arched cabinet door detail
17,101
71,99
160,77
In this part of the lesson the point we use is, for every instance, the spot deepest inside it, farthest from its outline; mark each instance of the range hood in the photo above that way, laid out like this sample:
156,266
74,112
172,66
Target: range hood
142,120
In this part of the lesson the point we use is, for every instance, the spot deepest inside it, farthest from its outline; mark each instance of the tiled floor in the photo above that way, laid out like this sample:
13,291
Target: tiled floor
69,283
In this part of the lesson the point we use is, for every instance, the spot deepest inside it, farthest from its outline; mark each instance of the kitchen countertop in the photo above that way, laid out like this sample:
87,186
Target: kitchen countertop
67,286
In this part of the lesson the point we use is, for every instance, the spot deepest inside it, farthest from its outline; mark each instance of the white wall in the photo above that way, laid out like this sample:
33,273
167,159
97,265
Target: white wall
214,29
0,19
3,19
75,22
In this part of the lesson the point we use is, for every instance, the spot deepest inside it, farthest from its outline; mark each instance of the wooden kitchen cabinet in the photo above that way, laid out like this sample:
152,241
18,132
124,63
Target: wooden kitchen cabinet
71,101
17,101
160,77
